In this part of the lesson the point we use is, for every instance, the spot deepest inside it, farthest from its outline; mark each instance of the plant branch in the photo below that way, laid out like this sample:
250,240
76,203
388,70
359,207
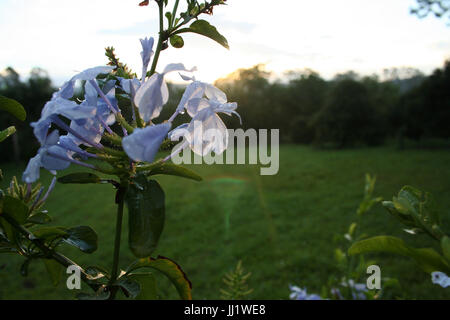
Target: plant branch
49,253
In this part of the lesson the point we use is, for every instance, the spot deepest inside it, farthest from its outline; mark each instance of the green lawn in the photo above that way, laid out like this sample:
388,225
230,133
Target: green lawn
282,227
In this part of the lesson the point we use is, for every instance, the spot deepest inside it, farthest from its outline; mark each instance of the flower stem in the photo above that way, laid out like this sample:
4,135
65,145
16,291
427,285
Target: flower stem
120,199
174,13
64,126
161,37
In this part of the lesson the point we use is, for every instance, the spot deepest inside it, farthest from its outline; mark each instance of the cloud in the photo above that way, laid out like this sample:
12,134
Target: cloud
326,35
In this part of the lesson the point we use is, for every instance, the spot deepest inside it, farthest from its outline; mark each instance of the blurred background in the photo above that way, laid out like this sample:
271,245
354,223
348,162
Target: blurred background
355,87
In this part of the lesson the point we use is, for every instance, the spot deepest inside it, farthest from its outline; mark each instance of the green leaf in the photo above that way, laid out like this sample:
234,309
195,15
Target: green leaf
351,229
428,259
97,272
146,209
50,233
16,208
9,232
80,178
203,28
6,133
171,270
13,107
171,169
445,244
177,41
6,247
416,209
130,287
54,269
84,238
39,218
147,283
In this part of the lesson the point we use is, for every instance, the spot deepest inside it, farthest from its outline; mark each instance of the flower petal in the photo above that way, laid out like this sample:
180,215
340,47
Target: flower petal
216,94
146,54
32,172
151,97
179,132
92,73
143,144
195,90
441,279
51,163
177,67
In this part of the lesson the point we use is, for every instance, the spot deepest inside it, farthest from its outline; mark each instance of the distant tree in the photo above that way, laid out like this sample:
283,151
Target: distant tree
348,117
32,94
348,75
425,110
384,97
306,96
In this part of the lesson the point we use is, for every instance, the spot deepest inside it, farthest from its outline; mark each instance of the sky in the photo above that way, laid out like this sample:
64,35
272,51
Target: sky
328,36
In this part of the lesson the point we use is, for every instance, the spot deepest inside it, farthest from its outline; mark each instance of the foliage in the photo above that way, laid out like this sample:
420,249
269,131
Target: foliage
236,282
345,286
417,211
348,111
423,111
348,117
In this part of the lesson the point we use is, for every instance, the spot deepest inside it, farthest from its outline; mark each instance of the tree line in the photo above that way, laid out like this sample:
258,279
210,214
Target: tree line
347,111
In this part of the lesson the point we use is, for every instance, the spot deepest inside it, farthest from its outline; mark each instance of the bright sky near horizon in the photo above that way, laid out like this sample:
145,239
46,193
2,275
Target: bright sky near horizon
328,36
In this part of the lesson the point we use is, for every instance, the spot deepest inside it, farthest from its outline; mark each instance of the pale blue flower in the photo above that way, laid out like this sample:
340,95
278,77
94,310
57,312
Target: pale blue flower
67,89
301,294
206,133
197,90
358,290
441,279
59,106
337,293
92,129
129,85
154,93
42,159
146,54
143,144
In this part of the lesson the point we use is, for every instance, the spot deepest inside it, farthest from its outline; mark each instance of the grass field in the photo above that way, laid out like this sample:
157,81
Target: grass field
281,227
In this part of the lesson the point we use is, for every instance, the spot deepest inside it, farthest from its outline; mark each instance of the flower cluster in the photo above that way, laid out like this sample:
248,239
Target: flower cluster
357,290
86,122
441,279
301,294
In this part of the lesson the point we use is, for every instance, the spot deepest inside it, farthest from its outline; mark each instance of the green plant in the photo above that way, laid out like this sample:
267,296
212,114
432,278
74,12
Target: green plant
236,282
417,211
